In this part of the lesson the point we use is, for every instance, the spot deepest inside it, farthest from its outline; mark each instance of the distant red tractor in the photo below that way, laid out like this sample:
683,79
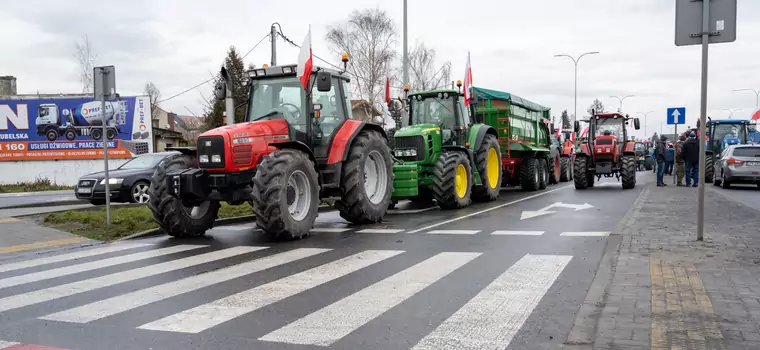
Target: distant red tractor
607,151
295,148
567,155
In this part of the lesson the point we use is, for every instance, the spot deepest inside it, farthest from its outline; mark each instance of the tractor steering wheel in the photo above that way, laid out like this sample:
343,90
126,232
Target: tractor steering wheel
294,115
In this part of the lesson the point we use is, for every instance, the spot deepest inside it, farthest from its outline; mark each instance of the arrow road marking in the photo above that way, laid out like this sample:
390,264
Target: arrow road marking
527,214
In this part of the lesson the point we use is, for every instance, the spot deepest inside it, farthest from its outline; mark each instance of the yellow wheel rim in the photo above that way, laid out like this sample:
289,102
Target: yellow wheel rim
492,168
460,181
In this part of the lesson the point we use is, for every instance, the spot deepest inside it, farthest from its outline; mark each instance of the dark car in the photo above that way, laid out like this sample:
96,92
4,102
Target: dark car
129,182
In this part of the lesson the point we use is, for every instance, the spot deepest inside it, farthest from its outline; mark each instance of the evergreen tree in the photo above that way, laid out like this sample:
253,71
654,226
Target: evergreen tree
566,120
215,112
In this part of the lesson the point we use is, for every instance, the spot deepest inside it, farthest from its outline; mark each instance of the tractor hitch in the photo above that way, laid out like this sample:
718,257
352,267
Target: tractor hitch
195,186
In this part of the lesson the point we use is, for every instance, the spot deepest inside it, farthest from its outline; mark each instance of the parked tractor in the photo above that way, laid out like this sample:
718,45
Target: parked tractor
643,152
296,147
443,154
607,151
720,135
567,157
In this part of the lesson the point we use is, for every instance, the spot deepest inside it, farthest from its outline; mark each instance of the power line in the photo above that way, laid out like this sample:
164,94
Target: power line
214,77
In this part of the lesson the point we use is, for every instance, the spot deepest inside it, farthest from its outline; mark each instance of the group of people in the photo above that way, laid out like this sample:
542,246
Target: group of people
684,154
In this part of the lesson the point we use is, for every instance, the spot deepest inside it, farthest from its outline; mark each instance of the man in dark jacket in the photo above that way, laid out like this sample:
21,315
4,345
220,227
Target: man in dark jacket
690,155
680,166
670,158
659,155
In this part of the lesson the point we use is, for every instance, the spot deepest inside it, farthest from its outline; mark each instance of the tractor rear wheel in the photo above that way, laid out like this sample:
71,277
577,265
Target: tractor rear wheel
452,180
168,211
555,170
565,168
530,173
286,194
709,168
544,171
580,168
488,163
628,172
367,180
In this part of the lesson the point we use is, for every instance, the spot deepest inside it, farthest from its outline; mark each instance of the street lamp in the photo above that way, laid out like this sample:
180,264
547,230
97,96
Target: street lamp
757,95
731,115
575,63
621,101
645,121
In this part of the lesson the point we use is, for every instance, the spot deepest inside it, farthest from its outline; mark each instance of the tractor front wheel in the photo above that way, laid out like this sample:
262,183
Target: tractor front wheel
580,168
286,194
544,171
564,169
168,211
452,180
628,172
367,180
488,163
709,168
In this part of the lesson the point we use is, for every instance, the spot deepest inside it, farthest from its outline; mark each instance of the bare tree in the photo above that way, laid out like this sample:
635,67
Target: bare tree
424,74
369,38
596,106
85,56
154,94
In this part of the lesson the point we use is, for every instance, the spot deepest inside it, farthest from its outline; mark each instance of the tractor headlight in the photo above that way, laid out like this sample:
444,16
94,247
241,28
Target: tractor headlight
203,159
216,158
399,153
413,152
607,149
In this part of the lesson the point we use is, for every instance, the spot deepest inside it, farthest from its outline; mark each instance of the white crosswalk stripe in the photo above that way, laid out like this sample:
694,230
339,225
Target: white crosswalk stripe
517,233
453,232
47,294
86,253
380,230
586,234
5,344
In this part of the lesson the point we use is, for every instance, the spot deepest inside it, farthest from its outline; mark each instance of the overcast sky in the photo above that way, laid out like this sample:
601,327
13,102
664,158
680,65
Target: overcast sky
178,44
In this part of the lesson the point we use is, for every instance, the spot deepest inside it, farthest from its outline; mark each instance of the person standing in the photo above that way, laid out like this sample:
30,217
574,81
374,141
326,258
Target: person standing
691,157
670,157
659,154
680,166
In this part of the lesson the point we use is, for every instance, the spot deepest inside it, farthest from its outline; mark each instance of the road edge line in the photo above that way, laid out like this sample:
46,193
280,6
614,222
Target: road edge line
487,210
42,244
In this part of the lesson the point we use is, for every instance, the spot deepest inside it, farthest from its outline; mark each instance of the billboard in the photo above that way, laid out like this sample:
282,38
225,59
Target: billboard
72,128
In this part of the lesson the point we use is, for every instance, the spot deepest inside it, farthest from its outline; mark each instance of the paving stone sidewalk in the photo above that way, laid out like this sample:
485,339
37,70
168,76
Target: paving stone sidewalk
669,291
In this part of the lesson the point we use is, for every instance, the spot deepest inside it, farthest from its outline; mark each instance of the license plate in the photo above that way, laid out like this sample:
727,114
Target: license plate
753,163
84,190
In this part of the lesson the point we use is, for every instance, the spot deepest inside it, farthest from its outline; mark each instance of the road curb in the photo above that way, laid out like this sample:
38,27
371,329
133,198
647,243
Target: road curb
33,194
46,204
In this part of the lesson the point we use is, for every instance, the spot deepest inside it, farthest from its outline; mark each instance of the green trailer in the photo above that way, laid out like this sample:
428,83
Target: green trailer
443,154
524,130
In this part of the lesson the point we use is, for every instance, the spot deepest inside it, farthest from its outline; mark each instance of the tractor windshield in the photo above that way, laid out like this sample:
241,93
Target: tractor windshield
640,147
721,131
613,125
433,110
278,98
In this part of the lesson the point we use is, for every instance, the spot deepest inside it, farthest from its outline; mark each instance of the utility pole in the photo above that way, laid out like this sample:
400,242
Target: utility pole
621,101
405,64
575,89
273,36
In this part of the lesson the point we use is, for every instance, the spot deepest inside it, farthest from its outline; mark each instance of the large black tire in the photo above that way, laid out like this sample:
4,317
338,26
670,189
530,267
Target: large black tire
709,168
273,191
580,168
555,170
565,169
355,204
628,172
543,180
530,173
444,181
490,188
51,135
168,211
96,134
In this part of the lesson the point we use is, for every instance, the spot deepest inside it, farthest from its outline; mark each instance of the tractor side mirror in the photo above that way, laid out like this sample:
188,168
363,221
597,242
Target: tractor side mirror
577,127
636,123
220,90
323,81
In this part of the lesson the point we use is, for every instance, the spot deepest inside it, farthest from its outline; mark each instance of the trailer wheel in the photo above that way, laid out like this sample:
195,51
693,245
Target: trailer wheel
111,134
96,134
366,184
452,181
51,135
580,168
168,211
70,135
530,173
628,172
709,168
286,194
564,169
555,170
543,181
488,163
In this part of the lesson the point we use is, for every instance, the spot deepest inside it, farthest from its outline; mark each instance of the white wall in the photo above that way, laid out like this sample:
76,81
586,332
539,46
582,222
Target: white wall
60,172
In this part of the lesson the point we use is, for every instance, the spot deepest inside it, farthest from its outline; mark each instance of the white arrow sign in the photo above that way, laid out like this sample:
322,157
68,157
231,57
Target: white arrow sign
675,114
527,214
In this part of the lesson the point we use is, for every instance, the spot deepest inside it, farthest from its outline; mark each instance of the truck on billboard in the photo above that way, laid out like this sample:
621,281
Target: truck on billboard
72,128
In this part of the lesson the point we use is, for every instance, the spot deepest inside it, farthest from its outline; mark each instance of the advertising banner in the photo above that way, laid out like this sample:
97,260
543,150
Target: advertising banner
72,128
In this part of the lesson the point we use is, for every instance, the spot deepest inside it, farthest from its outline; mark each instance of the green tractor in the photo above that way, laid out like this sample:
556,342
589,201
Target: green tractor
443,155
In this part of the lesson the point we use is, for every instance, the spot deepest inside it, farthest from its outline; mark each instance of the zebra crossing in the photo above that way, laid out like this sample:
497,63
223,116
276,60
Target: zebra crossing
490,319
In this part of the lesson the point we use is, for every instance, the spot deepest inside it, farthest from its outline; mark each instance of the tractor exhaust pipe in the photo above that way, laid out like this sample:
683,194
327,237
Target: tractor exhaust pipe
223,91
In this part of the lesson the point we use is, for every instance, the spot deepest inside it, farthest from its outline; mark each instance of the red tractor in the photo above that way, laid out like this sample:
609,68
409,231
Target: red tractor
607,151
296,148
567,155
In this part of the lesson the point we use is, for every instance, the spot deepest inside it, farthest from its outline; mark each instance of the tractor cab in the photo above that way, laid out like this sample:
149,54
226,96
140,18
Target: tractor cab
444,109
608,151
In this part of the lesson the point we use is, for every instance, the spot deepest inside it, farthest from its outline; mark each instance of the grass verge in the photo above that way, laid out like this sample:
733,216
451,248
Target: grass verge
124,221
38,185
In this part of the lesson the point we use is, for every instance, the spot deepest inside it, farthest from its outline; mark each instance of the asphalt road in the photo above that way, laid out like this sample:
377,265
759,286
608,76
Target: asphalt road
424,279
747,194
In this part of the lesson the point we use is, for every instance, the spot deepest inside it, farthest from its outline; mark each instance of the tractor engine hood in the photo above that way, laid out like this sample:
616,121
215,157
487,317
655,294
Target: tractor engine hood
417,143
419,129
239,147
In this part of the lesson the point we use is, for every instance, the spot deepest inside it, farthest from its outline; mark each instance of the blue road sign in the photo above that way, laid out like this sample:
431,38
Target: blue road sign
677,115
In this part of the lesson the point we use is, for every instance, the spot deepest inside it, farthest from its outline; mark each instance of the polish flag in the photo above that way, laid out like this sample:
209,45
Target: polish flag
467,81
387,82
756,115
305,61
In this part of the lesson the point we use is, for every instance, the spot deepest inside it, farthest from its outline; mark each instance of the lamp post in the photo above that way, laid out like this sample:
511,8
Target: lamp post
731,114
621,99
575,63
757,95
645,121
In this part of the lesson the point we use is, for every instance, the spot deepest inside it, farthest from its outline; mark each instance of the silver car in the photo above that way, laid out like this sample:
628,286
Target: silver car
738,164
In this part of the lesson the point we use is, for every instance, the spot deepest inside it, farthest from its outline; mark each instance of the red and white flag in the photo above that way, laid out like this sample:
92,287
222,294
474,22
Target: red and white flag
756,115
467,81
305,61
387,82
